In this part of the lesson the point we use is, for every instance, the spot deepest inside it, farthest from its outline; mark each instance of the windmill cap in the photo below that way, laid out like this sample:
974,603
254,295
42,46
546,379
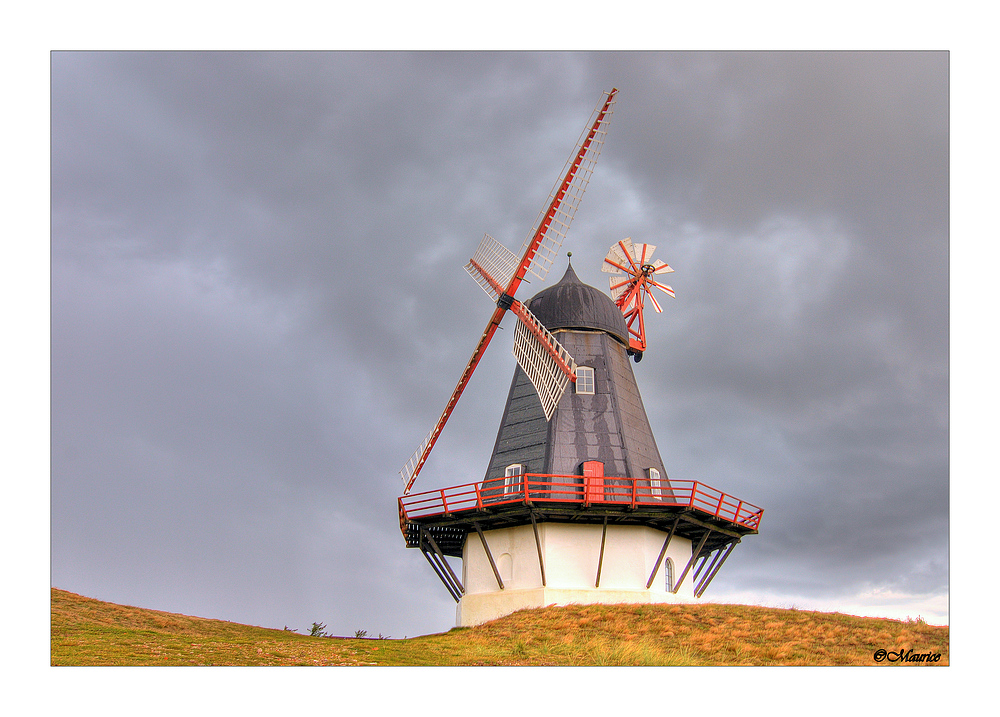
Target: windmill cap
571,304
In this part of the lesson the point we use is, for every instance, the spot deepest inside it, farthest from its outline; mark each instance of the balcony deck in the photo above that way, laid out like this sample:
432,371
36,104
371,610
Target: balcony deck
451,513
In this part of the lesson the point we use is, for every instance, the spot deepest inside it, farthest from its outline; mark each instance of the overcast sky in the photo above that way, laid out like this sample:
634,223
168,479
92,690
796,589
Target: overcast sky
258,310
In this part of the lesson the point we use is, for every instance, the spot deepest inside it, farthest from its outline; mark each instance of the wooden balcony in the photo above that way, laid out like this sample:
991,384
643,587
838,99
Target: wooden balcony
450,513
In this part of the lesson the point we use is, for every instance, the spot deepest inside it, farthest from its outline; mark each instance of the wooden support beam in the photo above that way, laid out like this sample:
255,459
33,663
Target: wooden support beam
704,562
441,576
663,551
600,560
694,556
689,518
712,573
538,546
440,555
698,583
698,566
451,573
437,568
489,555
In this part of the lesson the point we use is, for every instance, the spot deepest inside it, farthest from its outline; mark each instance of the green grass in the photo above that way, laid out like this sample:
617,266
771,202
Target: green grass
91,632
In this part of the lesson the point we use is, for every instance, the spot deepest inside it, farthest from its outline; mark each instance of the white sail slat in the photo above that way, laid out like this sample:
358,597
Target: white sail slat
497,261
548,368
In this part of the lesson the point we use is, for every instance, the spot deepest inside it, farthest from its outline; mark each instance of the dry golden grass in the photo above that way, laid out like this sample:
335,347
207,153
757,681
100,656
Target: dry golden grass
91,632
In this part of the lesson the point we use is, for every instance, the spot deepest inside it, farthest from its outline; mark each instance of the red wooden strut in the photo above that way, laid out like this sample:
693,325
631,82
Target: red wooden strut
512,286
543,226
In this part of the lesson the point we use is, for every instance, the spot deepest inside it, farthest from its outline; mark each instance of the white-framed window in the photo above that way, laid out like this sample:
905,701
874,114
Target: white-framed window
668,572
512,477
584,379
655,483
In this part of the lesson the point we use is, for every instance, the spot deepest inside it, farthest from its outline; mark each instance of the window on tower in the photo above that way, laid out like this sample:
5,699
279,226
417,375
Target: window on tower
512,479
655,483
584,379
668,571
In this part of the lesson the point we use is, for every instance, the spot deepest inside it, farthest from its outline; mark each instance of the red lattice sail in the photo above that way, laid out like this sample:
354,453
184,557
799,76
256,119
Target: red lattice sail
500,272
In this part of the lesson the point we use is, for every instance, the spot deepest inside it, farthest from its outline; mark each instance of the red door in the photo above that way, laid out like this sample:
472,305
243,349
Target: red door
593,480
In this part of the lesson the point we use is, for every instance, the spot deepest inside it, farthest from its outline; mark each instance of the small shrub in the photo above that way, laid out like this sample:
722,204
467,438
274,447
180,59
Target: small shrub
318,630
360,633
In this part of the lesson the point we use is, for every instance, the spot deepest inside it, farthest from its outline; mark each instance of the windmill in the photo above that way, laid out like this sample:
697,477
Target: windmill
575,505
633,268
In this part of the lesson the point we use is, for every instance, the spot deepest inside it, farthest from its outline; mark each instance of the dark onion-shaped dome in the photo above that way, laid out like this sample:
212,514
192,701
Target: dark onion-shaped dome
571,304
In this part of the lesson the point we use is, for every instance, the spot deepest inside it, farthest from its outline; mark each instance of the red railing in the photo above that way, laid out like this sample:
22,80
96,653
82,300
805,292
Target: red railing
606,490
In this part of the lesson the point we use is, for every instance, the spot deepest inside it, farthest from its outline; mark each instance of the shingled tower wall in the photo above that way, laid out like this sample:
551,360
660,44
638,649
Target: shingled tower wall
609,425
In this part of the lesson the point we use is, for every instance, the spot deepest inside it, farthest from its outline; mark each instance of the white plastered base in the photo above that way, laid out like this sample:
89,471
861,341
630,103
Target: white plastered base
570,554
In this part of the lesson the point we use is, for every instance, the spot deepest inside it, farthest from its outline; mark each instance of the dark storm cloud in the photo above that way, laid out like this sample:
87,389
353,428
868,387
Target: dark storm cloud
258,309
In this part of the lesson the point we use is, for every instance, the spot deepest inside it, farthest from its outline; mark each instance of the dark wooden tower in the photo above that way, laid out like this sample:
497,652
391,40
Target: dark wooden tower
602,419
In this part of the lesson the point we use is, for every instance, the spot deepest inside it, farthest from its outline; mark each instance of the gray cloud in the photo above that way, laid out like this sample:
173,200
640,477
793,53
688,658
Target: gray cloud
258,309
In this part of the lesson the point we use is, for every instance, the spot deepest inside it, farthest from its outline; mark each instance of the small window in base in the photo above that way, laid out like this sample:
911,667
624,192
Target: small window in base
584,379
668,571
512,480
655,484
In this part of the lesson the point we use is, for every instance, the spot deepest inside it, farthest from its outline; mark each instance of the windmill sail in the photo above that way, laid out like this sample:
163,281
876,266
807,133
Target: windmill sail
491,268
543,359
661,267
553,222
628,257
619,285
618,256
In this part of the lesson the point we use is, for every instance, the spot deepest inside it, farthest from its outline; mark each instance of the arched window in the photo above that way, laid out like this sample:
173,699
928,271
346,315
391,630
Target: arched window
512,479
584,379
668,571
505,565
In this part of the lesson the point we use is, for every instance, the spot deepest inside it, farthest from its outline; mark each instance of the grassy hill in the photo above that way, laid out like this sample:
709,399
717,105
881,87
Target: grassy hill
91,632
